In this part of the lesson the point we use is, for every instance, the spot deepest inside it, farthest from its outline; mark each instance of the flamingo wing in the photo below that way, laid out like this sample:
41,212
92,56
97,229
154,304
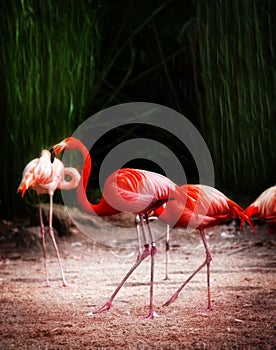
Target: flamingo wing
210,208
222,208
175,214
27,177
139,191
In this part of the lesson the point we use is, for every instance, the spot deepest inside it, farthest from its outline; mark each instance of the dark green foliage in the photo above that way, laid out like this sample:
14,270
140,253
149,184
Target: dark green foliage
234,68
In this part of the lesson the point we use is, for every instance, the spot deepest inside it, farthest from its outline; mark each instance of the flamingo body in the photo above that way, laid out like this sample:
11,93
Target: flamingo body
139,191
210,208
45,177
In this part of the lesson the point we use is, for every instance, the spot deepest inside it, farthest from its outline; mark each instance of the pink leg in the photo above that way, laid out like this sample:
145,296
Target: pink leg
64,283
151,314
207,261
137,222
107,305
167,252
42,228
147,251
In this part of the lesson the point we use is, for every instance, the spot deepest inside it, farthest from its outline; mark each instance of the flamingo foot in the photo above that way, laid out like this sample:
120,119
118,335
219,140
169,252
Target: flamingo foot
150,316
105,307
171,300
208,309
48,284
65,284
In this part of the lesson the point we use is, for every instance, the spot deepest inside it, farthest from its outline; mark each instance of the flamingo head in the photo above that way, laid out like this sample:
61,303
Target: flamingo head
59,147
69,143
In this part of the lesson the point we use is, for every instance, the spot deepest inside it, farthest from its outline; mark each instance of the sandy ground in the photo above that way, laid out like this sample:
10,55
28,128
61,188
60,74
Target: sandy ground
243,294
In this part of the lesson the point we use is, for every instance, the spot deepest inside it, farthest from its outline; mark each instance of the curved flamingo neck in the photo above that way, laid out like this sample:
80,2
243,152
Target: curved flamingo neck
74,179
100,209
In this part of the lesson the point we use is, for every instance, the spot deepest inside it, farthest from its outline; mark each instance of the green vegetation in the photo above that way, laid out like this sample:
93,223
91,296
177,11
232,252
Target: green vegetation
234,68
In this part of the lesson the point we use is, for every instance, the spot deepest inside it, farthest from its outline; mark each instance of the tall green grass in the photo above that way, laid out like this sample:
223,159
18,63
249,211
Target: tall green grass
231,43
47,70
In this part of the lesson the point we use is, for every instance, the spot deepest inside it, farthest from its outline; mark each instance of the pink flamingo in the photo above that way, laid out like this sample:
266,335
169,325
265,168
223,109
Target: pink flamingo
45,177
129,190
264,207
210,208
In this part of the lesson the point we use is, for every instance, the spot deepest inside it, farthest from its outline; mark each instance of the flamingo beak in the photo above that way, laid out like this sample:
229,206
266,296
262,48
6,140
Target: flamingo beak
56,149
53,155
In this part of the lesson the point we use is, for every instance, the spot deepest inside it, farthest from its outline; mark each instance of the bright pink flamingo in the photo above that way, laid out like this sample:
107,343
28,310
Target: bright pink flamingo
264,207
211,208
45,177
129,190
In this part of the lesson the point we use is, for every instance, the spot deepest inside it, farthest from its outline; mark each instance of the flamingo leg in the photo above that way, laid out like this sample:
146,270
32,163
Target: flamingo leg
137,220
42,228
151,314
207,262
140,258
167,252
108,304
51,230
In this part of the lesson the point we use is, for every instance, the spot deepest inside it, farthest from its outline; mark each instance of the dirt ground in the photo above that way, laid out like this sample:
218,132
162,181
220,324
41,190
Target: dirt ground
243,294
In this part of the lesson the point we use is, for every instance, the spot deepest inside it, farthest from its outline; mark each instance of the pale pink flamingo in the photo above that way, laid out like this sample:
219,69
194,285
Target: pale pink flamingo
45,176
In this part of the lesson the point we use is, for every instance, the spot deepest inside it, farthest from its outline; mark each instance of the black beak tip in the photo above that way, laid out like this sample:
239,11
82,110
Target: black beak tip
53,156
